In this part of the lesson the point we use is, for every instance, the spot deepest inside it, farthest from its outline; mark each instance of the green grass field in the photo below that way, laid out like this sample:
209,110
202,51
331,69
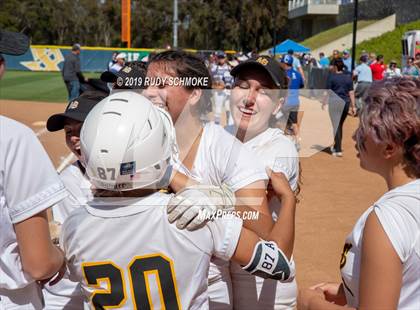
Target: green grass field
35,86
330,35
388,44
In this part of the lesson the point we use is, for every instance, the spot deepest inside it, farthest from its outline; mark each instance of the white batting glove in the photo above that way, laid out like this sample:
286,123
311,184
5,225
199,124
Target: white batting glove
194,206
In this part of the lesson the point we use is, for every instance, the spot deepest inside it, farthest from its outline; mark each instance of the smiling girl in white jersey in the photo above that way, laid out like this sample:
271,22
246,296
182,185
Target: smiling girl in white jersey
209,155
380,264
255,99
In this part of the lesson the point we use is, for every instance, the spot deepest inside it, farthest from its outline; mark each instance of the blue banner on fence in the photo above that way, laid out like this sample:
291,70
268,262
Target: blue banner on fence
51,58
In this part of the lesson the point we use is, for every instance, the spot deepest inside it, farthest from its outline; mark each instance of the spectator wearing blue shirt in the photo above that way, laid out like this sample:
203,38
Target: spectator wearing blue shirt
324,62
296,63
342,85
363,74
291,106
347,60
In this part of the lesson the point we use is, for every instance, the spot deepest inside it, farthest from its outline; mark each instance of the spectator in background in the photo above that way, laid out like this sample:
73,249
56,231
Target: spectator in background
222,80
336,54
342,85
324,62
220,71
392,71
72,74
363,74
113,60
119,63
410,70
372,58
378,68
347,60
296,64
291,106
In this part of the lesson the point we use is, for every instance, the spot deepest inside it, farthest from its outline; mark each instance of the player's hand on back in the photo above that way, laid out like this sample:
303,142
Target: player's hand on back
195,205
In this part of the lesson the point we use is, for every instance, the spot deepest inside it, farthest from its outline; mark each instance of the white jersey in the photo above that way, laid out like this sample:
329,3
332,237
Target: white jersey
274,150
223,159
79,189
398,212
28,185
278,152
130,254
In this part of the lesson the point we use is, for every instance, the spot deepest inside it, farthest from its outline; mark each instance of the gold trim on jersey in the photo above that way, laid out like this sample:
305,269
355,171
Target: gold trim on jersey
107,280
346,249
149,297
146,279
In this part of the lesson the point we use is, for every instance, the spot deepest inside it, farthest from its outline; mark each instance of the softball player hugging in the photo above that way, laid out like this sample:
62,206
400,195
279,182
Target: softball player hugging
121,247
208,154
256,98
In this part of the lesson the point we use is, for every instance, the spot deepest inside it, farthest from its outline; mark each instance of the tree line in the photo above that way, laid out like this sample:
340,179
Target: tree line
203,24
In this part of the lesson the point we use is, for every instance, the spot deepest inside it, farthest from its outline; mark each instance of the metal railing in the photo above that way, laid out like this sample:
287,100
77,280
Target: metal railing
294,4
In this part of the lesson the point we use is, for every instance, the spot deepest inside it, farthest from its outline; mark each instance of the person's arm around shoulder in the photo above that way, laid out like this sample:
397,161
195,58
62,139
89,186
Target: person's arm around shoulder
251,250
253,198
285,228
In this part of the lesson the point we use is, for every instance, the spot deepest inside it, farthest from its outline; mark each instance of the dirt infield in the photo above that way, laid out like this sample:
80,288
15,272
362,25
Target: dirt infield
335,192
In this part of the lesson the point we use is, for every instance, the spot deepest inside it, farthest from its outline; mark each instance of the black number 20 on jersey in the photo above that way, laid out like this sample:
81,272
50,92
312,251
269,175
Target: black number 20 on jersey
140,266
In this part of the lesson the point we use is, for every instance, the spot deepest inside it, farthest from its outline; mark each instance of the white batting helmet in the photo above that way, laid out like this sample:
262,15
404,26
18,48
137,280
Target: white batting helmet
126,142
